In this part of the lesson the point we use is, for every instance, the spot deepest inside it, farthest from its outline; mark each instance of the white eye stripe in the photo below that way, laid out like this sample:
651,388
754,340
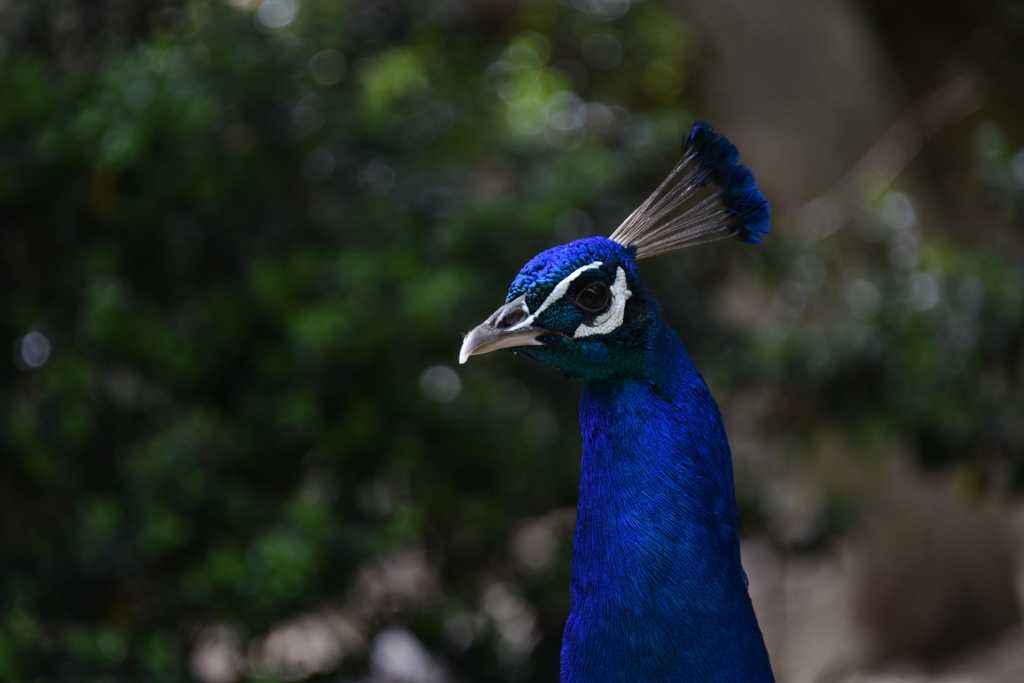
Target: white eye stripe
610,320
562,287
557,293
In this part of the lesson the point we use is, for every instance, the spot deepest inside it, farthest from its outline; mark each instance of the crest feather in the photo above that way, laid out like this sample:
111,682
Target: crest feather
674,218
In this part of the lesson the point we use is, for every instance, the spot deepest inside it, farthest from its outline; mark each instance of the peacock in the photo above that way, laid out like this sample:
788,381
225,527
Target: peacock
658,593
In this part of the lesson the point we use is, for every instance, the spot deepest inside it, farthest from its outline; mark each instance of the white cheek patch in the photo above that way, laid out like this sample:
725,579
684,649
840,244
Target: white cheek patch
559,291
610,320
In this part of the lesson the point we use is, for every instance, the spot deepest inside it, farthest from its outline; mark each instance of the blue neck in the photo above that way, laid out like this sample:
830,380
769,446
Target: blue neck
658,593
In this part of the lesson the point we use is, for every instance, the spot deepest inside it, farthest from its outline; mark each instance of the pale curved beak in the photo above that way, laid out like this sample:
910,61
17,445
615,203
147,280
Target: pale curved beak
507,328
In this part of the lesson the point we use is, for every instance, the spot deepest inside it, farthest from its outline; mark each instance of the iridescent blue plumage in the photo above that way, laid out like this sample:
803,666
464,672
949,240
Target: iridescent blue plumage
718,159
709,195
658,592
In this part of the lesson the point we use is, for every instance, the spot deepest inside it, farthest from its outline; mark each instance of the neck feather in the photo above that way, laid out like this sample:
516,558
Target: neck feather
658,593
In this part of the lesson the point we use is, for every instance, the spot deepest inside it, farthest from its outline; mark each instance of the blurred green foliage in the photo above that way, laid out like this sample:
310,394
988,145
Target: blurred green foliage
236,249
236,256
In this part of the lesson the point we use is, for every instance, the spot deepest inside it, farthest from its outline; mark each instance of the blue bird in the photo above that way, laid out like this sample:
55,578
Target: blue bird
658,592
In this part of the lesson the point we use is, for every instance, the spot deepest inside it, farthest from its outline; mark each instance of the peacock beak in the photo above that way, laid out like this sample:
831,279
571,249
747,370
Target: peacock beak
508,327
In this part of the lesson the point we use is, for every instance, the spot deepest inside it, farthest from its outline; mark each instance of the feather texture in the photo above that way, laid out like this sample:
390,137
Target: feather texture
658,591
679,215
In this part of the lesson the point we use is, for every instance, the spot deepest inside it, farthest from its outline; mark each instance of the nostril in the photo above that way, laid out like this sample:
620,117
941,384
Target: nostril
510,318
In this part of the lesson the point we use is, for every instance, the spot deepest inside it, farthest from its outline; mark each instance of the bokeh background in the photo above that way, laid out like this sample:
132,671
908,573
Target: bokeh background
238,243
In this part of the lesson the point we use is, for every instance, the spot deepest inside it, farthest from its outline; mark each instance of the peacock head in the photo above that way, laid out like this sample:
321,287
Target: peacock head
581,307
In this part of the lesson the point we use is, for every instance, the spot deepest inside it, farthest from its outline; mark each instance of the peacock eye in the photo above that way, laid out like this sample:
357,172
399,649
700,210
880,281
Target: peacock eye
594,298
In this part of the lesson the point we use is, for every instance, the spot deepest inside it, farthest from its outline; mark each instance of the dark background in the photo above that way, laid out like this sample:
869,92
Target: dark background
238,243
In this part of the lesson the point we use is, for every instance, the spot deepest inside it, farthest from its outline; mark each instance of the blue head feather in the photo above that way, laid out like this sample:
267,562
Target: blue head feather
716,156
616,353
712,151
548,268
675,216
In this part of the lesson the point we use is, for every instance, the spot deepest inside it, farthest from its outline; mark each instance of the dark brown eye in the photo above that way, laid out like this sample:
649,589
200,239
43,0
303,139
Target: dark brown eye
594,298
